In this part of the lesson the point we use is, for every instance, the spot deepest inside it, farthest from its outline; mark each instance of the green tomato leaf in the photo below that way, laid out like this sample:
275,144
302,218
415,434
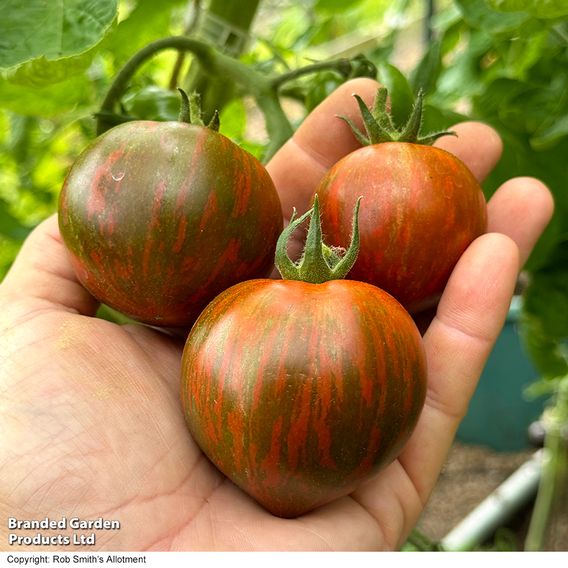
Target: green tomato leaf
451,36
45,100
528,106
400,92
425,74
148,21
544,322
46,42
233,120
10,227
478,15
523,53
550,136
537,8
519,106
321,86
55,30
153,103
41,72
519,159
334,6
440,118
463,76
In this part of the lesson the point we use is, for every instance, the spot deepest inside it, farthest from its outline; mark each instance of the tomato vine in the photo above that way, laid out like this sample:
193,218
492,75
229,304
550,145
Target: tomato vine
264,89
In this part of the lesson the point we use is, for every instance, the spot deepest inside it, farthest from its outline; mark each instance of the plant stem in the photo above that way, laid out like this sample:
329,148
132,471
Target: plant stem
217,64
560,34
277,123
225,24
121,81
342,66
555,469
188,30
430,12
264,89
319,263
422,543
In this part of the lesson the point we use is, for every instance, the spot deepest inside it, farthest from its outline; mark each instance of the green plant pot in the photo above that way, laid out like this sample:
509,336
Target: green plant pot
499,413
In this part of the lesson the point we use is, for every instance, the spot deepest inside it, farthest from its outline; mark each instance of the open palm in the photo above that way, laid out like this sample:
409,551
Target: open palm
90,414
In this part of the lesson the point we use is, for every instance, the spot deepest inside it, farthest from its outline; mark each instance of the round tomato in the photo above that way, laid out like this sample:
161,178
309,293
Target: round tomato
159,217
423,207
299,391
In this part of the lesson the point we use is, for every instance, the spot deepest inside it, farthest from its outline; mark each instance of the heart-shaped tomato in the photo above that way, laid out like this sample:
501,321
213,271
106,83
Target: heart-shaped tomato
299,391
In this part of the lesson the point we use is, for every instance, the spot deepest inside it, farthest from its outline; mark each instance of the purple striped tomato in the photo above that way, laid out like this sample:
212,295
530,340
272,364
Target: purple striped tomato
299,391
160,217
423,207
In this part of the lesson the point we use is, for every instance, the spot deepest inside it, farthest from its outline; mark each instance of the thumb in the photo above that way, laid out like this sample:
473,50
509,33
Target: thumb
42,274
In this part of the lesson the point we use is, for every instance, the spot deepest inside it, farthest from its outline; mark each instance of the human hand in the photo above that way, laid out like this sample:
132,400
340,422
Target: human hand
91,419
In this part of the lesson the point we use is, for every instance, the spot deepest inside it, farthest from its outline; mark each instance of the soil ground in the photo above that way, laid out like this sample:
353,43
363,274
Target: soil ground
470,474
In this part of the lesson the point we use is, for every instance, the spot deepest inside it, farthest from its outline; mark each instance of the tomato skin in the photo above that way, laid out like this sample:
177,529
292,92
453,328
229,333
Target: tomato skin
159,217
298,392
420,210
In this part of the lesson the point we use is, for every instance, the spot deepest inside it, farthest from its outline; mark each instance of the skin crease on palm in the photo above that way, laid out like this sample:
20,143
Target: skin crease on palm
90,414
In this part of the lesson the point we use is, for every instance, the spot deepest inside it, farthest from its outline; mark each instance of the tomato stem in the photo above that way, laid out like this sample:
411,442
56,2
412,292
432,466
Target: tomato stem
265,89
213,63
379,125
195,110
319,262
342,66
190,111
184,111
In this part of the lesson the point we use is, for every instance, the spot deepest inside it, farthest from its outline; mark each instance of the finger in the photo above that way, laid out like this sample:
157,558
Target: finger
521,208
470,316
42,271
320,141
469,319
477,145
